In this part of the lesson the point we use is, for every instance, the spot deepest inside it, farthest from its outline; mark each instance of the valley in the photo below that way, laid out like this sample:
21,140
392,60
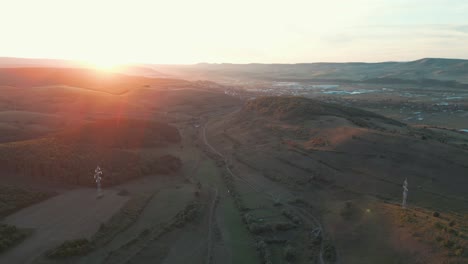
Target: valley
201,172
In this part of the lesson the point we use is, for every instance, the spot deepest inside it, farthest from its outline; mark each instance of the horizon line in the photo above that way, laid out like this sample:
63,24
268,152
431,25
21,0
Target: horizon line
84,61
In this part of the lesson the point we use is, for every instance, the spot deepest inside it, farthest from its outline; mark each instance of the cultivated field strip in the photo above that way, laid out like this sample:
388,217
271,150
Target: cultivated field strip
270,196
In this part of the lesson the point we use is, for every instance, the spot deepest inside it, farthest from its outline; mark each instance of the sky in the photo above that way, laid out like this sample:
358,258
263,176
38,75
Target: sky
234,31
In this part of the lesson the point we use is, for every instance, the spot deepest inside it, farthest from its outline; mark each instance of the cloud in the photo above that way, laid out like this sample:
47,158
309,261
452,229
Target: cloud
462,28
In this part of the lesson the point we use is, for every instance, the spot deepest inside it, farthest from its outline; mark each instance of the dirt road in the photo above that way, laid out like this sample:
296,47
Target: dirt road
210,227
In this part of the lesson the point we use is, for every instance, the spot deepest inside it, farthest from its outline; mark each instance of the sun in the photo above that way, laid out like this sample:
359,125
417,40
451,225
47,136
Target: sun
107,65
104,65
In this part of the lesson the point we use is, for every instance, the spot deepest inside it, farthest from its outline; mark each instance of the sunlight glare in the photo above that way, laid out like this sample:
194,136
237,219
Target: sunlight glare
103,64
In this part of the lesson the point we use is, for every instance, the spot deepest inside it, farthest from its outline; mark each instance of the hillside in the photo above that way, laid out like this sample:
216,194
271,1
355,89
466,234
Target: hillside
347,166
122,133
332,142
71,156
300,109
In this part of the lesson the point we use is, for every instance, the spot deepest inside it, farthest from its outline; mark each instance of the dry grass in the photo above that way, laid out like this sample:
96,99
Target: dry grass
14,198
446,234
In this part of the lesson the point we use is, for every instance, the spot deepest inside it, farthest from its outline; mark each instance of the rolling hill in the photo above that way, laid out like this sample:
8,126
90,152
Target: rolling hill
348,166
333,143
72,154
113,83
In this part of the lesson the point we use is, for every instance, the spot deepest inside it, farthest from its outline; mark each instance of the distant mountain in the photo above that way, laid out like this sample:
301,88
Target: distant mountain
427,71
455,70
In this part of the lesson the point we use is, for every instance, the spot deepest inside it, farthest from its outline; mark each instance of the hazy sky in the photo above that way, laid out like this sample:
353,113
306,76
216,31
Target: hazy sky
238,31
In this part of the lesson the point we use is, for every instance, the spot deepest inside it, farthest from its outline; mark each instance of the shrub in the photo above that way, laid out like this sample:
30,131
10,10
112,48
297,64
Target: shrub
408,217
282,226
299,200
439,225
347,211
256,228
277,203
436,214
289,252
317,240
453,232
264,252
459,252
248,219
291,216
329,252
71,248
448,243
188,214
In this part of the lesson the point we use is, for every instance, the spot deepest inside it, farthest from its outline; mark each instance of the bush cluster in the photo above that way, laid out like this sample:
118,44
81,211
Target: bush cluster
264,252
289,252
258,228
188,214
229,182
10,236
121,220
71,248
291,216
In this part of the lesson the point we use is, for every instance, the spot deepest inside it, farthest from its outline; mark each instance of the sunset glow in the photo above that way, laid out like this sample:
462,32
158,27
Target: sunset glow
102,64
109,32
